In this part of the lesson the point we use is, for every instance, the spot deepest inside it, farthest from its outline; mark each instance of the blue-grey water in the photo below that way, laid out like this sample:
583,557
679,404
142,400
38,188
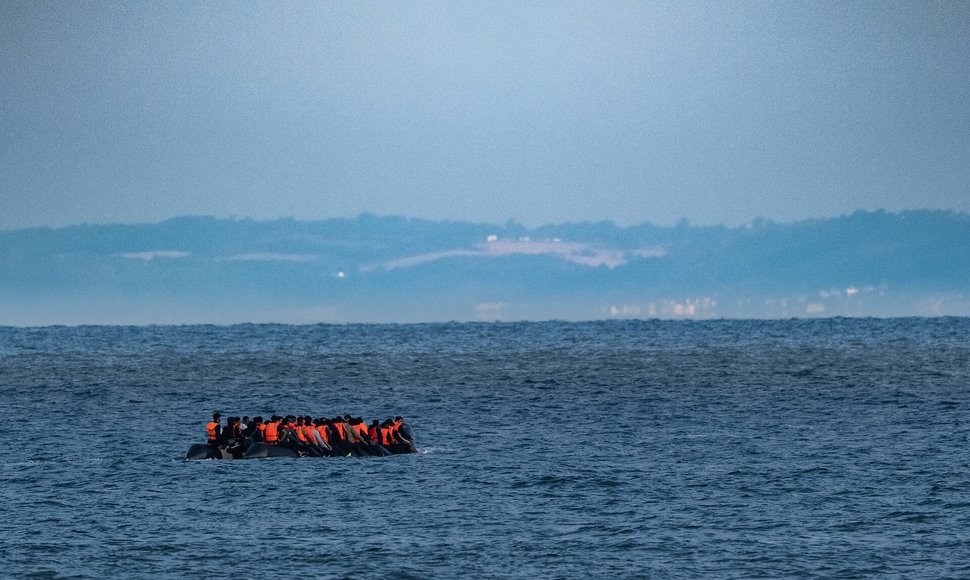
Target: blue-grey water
825,448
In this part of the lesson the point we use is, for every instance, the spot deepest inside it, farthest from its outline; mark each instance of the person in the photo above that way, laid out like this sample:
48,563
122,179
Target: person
323,429
347,438
232,432
396,443
233,439
405,430
343,435
291,436
387,435
248,426
364,442
214,429
259,428
315,443
296,425
321,435
271,434
335,436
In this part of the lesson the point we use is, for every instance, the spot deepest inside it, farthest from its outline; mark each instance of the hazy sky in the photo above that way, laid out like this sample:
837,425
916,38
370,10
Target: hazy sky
540,112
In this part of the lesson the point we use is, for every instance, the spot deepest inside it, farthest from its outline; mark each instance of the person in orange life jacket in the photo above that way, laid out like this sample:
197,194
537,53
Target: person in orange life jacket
306,440
306,426
314,442
349,438
371,444
337,423
321,435
337,436
360,429
393,440
310,431
271,432
297,424
322,429
290,435
386,432
214,429
363,441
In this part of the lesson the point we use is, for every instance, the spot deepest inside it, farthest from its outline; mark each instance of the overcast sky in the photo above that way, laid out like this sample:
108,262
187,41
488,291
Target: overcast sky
540,112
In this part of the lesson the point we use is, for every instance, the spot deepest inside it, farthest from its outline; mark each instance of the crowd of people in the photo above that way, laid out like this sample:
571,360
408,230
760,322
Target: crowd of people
306,436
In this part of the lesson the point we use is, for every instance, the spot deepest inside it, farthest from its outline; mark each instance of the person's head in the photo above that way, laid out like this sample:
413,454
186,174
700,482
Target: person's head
308,420
399,418
375,423
347,418
258,420
299,421
245,419
216,417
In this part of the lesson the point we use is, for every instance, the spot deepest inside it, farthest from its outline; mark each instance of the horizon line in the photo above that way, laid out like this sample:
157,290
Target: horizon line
682,319
512,222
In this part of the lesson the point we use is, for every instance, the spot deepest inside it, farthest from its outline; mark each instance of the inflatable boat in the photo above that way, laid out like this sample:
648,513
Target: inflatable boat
201,451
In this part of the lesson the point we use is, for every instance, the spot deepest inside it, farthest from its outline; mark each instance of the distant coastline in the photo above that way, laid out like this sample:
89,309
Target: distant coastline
392,269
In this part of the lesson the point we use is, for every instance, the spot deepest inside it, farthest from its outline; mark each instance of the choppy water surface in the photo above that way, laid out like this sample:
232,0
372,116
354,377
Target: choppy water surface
833,448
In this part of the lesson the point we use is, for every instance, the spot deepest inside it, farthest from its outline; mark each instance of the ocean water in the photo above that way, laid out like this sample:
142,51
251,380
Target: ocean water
722,449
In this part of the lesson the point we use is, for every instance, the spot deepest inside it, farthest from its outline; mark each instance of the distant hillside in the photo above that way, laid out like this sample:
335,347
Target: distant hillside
369,269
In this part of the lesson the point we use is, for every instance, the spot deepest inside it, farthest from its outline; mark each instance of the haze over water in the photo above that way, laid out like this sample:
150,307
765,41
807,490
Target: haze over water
834,448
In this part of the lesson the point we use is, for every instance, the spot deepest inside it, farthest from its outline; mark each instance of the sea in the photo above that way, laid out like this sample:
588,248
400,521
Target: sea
826,448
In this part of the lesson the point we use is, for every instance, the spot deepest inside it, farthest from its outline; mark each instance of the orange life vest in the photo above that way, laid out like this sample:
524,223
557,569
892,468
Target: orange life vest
373,434
272,432
210,428
361,430
322,430
299,432
340,430
387,436
308,434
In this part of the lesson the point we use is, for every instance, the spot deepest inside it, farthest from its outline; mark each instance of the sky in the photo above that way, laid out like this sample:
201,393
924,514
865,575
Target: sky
538,112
